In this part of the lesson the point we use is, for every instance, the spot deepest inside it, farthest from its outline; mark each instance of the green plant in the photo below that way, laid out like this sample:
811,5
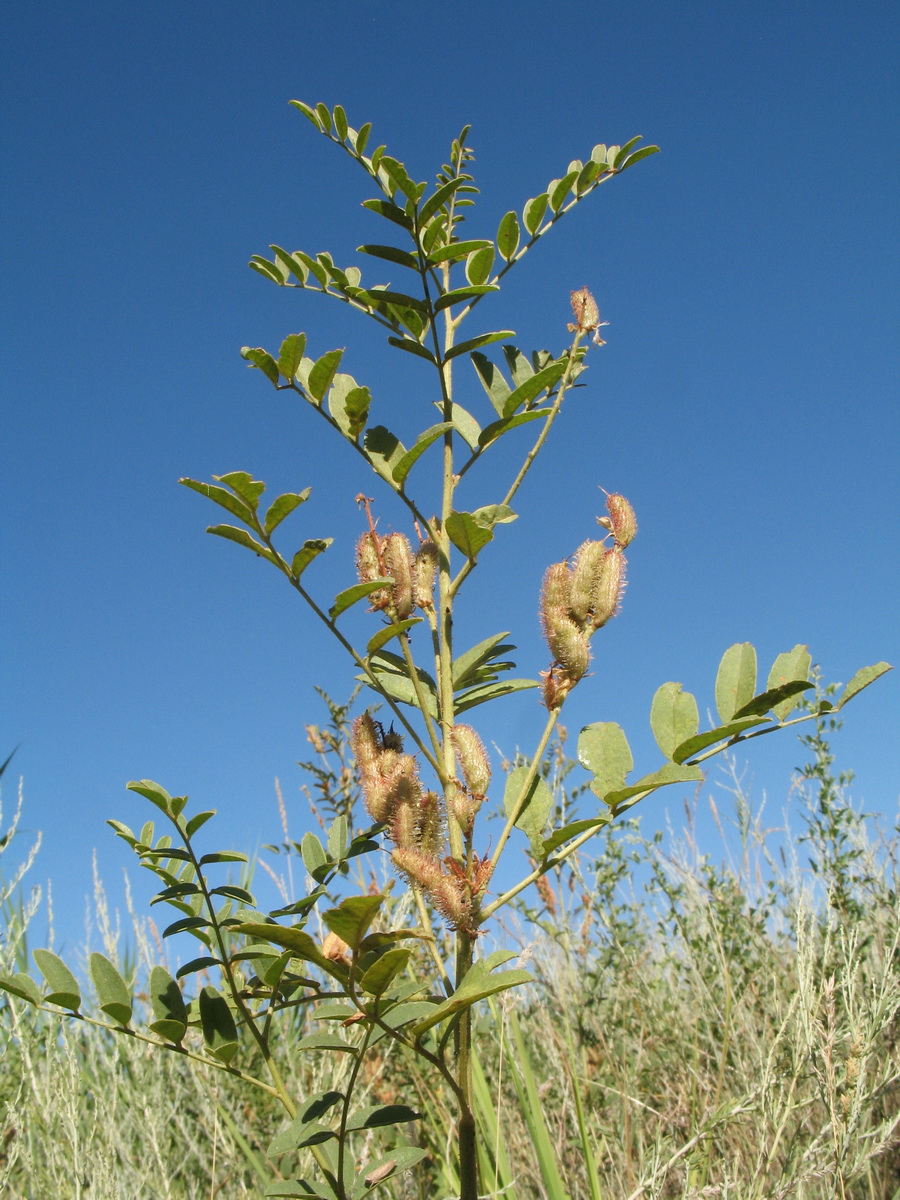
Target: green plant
403,975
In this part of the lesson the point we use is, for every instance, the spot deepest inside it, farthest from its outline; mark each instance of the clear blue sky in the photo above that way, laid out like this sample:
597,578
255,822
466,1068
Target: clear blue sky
746,401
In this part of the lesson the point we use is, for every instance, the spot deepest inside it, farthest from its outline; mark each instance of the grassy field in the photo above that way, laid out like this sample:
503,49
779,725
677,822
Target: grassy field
706,1022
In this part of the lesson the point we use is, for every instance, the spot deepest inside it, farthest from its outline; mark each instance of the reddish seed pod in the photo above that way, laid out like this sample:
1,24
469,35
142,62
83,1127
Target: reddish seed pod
610,586
622,520
425,574
369,568
472,759
584,581
398,563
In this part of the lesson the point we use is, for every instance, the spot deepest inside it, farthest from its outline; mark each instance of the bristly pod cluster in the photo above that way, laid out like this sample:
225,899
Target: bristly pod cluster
413,573
578,598
394,796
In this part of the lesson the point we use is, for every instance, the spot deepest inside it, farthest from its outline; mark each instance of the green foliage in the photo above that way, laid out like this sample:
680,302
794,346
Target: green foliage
404,977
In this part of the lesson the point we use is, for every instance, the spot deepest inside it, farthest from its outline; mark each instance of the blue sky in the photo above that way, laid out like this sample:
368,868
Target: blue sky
746,401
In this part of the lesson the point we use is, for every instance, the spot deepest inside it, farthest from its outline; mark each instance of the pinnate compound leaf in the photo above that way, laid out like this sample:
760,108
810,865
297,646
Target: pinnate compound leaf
242,537
405,464
674,717
23,987
533,816
63,986
352,595
478,984
170,1015
438,199
267,269
790,666
385,451
310,549
603,749
672,772
113,993
483,339
352,918
735,680
153,792
508,236
863,677
217,1024
767,700
721,733
282,507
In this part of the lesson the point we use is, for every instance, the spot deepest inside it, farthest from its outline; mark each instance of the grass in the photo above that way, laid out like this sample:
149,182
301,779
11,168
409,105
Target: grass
701,1026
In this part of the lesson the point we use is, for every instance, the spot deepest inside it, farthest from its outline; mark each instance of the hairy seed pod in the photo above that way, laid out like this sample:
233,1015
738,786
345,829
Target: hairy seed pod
398,562
472,758
463,807
623,522
452,900
369,568
366,746
426,573
584,581
430,825
417,868
610,586
584,306
569,647
556,592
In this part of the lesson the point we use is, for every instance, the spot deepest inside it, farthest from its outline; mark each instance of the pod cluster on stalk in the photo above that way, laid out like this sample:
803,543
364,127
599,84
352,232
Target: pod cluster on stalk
413,574
394,796
580,596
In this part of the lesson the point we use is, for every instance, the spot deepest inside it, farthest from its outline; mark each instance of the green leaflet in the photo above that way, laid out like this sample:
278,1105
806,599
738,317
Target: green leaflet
735,680
478,983
603,749
674,717
113,993
64,989
533,815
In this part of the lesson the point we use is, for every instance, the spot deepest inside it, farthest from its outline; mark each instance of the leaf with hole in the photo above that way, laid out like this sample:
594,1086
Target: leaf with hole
310,549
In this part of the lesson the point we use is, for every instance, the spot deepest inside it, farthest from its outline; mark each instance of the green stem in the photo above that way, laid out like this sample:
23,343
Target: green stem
533,769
